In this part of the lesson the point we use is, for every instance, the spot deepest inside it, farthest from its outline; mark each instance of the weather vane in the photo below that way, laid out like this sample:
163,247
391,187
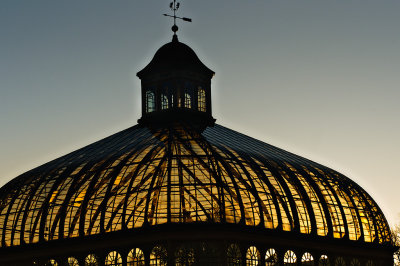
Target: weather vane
174,7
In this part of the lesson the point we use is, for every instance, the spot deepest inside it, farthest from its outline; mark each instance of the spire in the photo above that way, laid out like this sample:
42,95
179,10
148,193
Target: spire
174,7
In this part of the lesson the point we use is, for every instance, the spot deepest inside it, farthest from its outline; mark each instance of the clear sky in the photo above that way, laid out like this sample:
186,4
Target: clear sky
318,78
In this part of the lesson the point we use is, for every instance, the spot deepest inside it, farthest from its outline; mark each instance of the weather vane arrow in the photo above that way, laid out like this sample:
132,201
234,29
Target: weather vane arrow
174,7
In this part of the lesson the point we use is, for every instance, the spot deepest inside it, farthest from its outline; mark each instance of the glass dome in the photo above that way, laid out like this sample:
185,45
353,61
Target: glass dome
179,175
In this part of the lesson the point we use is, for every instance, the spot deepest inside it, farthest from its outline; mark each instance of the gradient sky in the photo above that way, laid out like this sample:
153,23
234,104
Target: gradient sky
318,78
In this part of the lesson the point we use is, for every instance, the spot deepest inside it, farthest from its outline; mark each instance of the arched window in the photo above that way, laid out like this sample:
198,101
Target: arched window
91,260
113,259
253,256
307,259
184,257
188,98
150,102
164,102
234,255
51,262
207,254
340,262
354,262
158,256
370,263
71,261
135,257
271,258
201,99
323,260
290,258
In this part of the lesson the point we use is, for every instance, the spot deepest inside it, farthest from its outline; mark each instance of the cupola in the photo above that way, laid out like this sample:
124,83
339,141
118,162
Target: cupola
176,86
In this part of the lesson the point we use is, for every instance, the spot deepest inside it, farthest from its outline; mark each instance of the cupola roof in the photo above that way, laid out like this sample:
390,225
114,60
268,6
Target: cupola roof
175,56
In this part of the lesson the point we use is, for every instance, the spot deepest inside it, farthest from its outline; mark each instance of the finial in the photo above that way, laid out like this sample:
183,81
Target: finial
174,7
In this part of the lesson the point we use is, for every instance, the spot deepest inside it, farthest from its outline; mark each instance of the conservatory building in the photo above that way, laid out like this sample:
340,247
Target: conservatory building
179,189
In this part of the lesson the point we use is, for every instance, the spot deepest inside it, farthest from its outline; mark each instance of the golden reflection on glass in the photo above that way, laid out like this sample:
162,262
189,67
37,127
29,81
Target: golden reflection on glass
91,260
71,261
113,259
136,257
184,256
271,257
158,256
289,258
323,260
253,256
195,178
51,262
307,259
301,208
188,99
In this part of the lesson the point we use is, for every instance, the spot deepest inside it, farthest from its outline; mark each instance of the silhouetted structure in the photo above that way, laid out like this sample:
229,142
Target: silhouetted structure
178,189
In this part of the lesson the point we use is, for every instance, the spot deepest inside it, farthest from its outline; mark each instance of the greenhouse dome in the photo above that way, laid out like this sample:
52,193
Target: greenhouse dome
179,189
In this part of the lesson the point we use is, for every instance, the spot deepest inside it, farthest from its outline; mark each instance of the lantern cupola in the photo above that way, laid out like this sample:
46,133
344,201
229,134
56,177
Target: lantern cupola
176,87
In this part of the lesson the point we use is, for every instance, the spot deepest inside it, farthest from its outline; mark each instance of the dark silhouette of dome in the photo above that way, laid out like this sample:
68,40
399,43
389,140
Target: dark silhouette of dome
175,56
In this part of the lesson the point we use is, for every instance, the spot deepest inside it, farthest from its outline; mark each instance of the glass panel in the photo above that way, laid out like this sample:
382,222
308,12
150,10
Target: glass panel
91,260
201,99
323,261
150,102
184,256
136,257
51,262
72,261
113,259
307,259
271,258
158,256
300,202
188,98
164,102
331,202
290,258
316,205
253,256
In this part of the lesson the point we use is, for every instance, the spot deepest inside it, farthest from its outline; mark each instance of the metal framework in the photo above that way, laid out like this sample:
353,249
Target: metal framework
140,177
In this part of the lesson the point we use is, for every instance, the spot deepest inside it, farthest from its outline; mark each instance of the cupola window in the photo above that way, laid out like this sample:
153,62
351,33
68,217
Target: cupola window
201,99
164,102
188,99
150,102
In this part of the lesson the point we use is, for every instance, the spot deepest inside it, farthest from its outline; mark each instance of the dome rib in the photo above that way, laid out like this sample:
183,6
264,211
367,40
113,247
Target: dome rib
321,199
